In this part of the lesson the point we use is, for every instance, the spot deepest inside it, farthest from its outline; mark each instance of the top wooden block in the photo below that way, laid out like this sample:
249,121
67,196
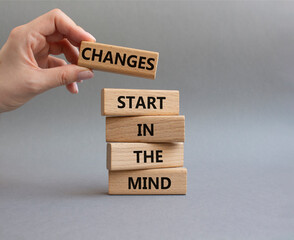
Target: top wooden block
118,59
138,102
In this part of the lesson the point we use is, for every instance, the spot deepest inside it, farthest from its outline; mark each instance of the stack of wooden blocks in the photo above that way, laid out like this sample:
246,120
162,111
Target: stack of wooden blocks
145,150
144,131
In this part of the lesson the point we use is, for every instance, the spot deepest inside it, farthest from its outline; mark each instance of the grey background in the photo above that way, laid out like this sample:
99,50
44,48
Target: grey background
233,63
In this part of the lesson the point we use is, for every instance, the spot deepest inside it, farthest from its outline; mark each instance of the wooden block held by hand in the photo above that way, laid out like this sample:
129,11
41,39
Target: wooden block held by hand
130,102
145,129
150,181
118,59
131,156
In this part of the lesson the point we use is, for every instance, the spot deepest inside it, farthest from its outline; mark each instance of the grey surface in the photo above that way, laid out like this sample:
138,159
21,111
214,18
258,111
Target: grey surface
234,66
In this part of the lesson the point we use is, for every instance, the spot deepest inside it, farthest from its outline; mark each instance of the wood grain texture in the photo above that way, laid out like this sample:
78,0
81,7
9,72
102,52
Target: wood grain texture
136,102
132,156
150,181
118,59
132,129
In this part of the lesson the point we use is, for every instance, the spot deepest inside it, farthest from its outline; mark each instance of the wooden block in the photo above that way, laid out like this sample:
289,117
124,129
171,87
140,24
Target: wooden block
145,129
118,59
130,102
150,181
131,156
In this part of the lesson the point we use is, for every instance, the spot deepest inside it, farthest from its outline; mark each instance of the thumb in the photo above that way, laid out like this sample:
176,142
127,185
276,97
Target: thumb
64,75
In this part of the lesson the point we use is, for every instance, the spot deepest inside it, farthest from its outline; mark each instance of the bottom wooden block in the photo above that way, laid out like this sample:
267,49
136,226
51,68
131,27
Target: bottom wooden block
150,181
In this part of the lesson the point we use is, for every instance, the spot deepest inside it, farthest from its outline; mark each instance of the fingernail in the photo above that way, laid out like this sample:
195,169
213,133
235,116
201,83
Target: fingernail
91,36
80,81
85,75
76,88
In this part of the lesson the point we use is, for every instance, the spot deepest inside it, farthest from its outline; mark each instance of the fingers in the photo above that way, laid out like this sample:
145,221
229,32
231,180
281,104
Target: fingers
73,88
55,37
55,62
70,52
57,21
64,75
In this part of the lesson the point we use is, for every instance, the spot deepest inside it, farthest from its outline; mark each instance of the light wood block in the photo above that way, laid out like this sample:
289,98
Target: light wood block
118,59
150,181
130,102
132,156
145,129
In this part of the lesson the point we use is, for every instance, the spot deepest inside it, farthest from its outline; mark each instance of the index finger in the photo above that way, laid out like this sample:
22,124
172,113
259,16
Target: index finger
57,21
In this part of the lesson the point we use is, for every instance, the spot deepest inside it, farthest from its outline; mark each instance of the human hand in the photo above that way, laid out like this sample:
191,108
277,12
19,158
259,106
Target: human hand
26,66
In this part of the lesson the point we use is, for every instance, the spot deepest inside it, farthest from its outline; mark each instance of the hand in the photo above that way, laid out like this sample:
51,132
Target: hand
26,66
